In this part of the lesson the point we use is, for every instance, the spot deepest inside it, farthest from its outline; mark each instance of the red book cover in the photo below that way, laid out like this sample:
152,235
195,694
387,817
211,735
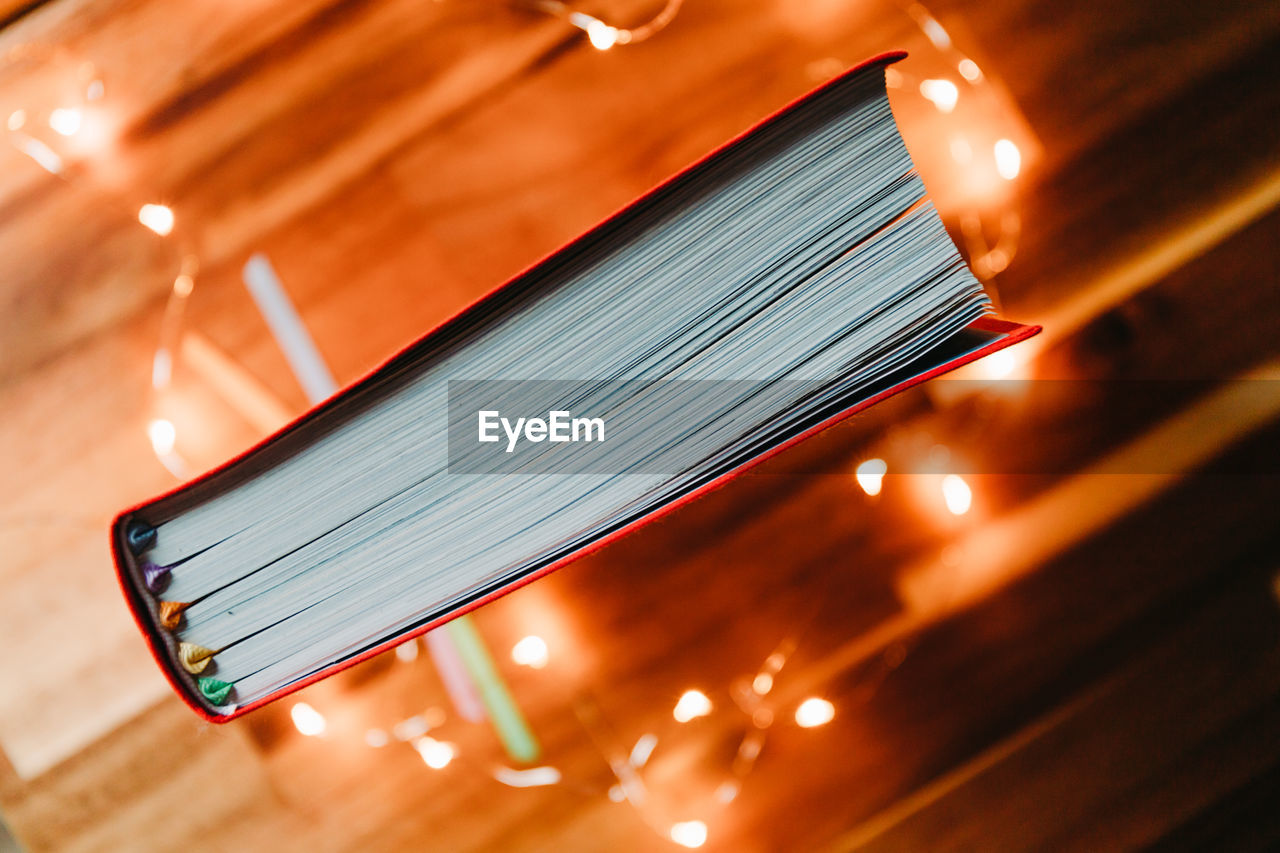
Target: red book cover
998,334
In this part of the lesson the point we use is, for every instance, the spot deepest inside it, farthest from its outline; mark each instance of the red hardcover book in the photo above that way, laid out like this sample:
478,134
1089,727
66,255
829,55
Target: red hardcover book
791,278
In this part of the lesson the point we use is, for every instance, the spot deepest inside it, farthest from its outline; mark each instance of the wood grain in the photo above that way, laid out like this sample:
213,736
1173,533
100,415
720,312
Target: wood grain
395,160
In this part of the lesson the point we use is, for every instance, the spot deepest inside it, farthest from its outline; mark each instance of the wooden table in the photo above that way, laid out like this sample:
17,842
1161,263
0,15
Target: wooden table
1088,659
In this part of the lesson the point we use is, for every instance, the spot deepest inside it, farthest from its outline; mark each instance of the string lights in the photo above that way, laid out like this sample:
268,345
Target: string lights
29,132
602,35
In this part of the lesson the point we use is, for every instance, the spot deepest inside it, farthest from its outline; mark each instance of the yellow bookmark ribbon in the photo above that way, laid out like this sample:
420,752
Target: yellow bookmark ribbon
194,658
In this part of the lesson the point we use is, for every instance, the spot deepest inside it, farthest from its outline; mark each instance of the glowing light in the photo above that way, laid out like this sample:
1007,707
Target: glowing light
307,720
870,475
408,652
1008,159
161,370
762,683
531,652
157,217
997,260
44,156
411,728
762,718
534,777
814,712
893,78
969,70
943,94
692,704
689,833
436,754
998,365
376,738
643,749
183,285
727,792
957,494
65,121
935,32
163,435
961,151
601,35
616,794
95,90
17,119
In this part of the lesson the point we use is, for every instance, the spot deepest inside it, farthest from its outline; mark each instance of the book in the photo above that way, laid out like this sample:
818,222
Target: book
792,277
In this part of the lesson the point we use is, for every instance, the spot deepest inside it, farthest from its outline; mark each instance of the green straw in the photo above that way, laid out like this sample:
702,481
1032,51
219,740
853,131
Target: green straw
508,722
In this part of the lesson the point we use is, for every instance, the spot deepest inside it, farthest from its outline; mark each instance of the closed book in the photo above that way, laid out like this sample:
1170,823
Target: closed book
793,277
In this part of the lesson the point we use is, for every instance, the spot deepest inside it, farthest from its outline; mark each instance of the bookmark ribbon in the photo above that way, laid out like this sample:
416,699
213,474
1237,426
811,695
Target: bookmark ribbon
155,577
214,690
194,658
171,613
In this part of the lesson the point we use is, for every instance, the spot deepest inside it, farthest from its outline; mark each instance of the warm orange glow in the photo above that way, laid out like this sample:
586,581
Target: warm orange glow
692,704
870,475
998,365
814,712
957,494
762,683
17,119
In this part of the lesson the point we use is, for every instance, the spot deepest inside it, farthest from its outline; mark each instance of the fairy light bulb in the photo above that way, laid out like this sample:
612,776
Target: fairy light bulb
66,121
689,833
436,754
1008,159
870,475
307,720
814,712
157,217
601,35
163,436
531,651
408,652
942,93
692,704
957,494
